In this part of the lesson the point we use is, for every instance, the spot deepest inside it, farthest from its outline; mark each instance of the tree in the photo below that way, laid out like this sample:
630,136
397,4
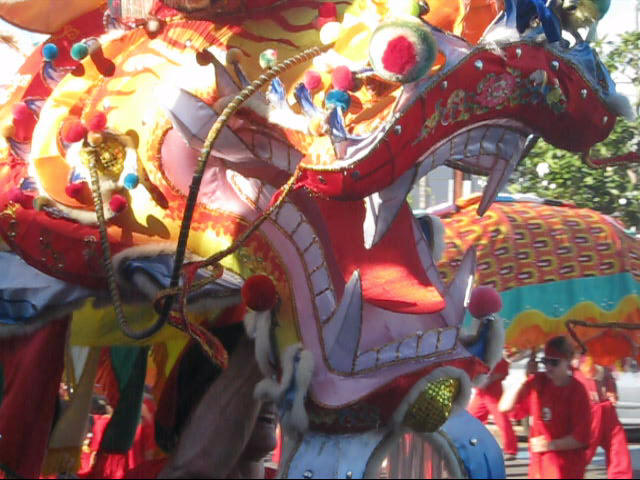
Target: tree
552,173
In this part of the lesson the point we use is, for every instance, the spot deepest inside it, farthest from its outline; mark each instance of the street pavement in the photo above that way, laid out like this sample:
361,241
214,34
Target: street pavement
597,468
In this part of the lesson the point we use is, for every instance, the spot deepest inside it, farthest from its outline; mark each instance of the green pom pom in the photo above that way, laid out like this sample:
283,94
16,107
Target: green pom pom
268,58
79,51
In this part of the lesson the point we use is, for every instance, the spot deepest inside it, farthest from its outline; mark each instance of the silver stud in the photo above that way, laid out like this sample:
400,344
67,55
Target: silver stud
518,52
397,129
473,442
308,474
555,65
605,119
322,180
444,85
187,43
583,93
349,474
479,65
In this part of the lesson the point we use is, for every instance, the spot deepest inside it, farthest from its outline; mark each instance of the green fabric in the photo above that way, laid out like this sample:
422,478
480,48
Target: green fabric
130,364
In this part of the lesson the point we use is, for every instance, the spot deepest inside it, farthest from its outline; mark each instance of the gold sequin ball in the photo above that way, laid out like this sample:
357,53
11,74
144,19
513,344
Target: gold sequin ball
108,155
433,406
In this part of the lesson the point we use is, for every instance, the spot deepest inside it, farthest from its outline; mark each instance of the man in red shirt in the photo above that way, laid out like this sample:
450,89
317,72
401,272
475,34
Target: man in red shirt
606,430
561,412
485,402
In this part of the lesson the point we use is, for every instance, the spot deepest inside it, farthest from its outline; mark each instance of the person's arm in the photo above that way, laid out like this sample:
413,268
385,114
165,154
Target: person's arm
222,423
515,397
541,444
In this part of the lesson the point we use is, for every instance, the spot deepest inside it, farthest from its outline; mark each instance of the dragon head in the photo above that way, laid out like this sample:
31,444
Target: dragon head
393,96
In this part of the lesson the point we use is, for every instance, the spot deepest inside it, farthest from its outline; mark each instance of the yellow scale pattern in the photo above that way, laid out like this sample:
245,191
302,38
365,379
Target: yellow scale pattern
433,406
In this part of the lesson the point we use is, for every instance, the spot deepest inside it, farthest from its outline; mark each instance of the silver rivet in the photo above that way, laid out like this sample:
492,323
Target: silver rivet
555,65
473,442
349,474
322,180
583,93
188,43
444,85
518,52
419,333
397,129
308,474
479,65
605,119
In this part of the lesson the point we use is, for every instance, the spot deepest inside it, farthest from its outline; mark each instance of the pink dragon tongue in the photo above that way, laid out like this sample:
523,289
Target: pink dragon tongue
392,278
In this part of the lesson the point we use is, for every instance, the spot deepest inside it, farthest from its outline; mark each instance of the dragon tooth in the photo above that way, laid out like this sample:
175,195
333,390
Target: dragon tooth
342,333
459,290
502,171
382,207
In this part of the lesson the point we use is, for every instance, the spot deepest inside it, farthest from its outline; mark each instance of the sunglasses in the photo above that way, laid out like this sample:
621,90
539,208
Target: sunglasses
551,362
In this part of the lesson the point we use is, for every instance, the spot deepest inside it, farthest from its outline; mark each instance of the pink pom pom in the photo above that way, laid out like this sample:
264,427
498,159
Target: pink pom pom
118,203
21,112
259,293
76,132
312,80
484,301
327,10
97,122
74,190
342,78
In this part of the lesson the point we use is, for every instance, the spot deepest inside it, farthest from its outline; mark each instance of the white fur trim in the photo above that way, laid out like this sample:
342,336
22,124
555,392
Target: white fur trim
297,419
263,342
269,389
440,373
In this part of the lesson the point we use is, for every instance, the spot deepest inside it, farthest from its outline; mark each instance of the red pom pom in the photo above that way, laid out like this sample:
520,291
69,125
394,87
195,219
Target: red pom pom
342,78
97,122
74,190
484,301
76,132
312,80
21,112
259,293
327,10
118,203
400,56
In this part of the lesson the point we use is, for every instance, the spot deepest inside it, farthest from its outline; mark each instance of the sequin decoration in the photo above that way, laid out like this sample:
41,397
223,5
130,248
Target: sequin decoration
433,406
108,155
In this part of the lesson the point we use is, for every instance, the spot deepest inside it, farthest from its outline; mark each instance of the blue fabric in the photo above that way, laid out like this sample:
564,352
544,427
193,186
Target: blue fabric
525,10
475,445
479,349
26,293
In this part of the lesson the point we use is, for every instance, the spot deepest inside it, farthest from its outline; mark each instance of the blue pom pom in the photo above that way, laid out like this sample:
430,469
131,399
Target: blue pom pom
50,52
79,51
131,181
338,99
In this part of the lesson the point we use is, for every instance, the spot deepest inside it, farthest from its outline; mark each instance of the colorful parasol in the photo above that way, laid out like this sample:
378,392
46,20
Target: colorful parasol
552,262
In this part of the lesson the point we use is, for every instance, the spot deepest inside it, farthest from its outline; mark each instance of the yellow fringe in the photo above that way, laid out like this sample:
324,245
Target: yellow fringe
62,460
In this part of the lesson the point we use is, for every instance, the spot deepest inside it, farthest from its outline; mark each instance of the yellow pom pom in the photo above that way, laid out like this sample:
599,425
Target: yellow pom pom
8,131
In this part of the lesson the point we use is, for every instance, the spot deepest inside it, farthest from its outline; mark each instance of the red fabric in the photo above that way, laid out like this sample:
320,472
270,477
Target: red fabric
32,367
499,372
557,411
97,431
485,403
148,469
606,430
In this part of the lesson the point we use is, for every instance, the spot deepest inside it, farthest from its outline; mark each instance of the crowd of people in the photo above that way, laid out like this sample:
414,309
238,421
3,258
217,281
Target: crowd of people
571,409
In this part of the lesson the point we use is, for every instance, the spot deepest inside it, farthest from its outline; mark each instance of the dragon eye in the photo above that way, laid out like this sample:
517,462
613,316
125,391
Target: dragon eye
402,50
